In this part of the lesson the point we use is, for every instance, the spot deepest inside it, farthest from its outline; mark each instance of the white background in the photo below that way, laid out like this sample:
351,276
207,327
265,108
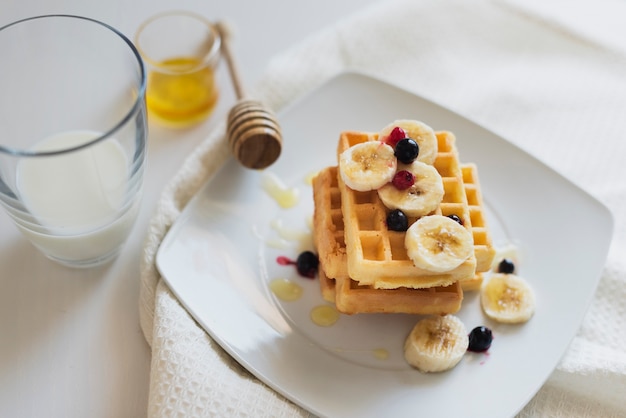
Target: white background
70,341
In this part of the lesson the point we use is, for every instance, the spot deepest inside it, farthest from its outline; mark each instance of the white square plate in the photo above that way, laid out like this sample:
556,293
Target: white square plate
217,260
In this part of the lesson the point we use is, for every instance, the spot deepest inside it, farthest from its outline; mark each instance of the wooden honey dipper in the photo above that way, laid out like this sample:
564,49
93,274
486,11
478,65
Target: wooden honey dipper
253,132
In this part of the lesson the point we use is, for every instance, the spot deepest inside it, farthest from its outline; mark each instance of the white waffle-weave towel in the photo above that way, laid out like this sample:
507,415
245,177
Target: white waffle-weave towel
550,76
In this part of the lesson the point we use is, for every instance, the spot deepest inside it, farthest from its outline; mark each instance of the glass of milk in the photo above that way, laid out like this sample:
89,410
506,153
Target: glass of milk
72,135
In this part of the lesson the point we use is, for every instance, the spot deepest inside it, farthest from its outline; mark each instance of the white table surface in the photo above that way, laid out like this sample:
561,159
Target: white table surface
70,341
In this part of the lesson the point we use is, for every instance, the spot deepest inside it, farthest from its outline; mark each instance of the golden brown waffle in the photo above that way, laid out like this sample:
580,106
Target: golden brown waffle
351,298
376,256
473,284
329,239
483,244
348,295
327,286
328,221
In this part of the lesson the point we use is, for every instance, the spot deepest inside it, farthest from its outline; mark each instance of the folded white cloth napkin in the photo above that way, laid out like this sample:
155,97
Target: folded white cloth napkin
543,74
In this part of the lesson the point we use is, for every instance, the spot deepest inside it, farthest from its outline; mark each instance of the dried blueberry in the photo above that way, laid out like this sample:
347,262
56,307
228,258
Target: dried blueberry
456,218
397,221
403,179
395,136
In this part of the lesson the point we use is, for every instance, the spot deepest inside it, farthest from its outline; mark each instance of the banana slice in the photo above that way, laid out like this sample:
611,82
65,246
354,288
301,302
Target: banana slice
423,134
422,198
507,298
436,343
437,243
367,166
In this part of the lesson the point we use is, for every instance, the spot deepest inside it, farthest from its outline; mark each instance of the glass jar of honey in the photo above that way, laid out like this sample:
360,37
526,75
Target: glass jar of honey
181,51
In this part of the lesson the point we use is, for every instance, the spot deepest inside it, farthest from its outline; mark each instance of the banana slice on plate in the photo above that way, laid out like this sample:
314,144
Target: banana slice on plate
437,243
420,198
436,343
367,166
507,298
420,132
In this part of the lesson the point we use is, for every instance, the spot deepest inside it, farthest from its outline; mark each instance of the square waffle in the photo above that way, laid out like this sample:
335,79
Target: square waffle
376,256
352,297
349,296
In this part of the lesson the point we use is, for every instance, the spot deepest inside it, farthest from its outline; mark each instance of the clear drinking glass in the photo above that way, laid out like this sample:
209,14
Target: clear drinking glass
181,51
72,135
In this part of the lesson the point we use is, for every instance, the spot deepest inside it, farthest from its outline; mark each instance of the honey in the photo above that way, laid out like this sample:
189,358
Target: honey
286,290
324,315
181,92
381,353
286,197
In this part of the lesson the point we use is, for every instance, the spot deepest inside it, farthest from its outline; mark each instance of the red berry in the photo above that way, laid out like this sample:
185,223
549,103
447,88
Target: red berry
403,179
395,136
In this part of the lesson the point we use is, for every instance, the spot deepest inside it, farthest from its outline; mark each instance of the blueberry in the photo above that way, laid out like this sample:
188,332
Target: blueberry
397,221
456,218
307,264
406,150
480,339
506,266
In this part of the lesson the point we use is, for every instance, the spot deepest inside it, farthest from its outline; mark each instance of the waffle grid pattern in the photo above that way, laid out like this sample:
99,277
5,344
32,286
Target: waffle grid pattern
328,220
349,296
483,244
377,256
352,297
463,197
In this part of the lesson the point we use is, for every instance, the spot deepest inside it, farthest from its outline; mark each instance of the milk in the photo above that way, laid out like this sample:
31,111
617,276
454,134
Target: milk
77,197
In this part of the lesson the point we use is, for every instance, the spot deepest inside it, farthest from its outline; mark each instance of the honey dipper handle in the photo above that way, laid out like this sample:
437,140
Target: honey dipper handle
254,135
228,55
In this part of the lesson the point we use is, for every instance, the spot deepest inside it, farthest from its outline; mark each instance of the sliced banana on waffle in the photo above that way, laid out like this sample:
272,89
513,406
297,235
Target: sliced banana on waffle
437,243
367,166
420,199
507,298
420,132
436,343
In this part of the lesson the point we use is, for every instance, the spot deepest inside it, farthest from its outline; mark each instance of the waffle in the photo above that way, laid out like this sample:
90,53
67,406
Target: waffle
327,286
473,284
328,233
351,298
483,244
376,256
348,295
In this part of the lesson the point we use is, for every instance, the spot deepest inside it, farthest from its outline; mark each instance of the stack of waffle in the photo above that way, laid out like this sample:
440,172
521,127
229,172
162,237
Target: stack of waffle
364,267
